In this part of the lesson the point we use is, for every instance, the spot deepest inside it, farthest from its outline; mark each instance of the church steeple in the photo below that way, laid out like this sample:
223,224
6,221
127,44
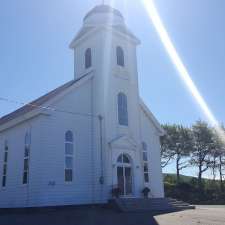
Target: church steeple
88,43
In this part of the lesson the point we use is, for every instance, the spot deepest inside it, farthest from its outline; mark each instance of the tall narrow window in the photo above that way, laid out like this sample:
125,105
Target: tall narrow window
145,162
120,56
69,156
26,158
122,109
88,58
4,174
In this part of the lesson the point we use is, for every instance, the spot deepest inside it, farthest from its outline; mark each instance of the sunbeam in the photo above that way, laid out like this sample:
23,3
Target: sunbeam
182,70
107,52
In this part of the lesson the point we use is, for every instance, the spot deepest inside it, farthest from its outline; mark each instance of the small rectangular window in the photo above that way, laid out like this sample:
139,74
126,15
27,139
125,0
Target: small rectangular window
69,156
68,175
145,156
26,153
69,148
145,162
26,158
5,164
69,162
122,109
4,169
146,168
26,162
25,177
146,177
6,157
3,181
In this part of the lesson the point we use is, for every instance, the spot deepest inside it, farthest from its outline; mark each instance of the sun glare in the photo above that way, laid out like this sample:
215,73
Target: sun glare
182,71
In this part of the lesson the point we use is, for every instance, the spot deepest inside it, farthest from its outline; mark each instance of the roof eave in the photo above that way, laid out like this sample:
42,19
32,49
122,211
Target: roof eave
76,41
43,108
152,118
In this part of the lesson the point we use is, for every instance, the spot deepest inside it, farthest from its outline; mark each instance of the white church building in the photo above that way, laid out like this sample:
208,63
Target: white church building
76,143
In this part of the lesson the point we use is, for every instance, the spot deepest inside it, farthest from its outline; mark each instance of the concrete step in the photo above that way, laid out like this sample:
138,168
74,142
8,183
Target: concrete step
149,204
178,204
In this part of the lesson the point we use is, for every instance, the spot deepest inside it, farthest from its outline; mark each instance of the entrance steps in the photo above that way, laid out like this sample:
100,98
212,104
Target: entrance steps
149,204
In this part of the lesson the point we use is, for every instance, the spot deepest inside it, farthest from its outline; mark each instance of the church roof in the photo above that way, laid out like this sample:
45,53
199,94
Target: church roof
119,28
38,102
45,98
99,23
103,9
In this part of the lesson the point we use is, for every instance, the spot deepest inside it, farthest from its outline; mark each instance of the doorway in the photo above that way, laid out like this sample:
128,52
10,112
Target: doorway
124,175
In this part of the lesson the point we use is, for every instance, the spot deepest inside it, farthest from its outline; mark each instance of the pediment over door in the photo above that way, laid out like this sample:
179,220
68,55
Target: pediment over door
124,142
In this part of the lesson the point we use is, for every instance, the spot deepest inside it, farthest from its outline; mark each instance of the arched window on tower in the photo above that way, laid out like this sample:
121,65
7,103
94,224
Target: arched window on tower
88,58
120,56
69,156
122,109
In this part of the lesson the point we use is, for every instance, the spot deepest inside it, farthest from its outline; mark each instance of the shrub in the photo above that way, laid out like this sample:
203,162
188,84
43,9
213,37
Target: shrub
116,192
145,192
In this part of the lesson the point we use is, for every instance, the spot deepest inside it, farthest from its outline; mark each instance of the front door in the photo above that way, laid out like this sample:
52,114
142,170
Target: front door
124,178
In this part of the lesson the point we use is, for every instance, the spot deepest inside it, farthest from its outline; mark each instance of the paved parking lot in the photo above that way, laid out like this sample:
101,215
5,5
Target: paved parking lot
76,216
203,215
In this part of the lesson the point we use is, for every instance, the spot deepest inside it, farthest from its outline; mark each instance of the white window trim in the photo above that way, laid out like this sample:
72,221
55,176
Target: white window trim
145,162
6,149
26,145
117,104
68,155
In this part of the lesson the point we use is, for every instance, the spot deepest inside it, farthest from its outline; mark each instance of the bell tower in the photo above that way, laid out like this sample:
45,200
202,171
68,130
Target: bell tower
106,48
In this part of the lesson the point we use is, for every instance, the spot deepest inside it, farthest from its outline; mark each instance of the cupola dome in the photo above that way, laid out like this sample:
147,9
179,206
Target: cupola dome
103,15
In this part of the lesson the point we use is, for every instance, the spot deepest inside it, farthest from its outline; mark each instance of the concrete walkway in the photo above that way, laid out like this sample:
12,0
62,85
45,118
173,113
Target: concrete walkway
202,215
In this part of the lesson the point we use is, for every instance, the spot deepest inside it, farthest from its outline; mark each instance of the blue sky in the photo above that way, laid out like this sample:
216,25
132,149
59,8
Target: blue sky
35,58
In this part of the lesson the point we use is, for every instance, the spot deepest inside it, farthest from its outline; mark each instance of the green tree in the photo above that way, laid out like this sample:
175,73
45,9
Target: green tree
167,153
177,146
218,155
202,137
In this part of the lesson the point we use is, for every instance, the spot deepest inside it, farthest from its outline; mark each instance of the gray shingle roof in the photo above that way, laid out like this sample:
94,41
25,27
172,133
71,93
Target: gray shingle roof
38,102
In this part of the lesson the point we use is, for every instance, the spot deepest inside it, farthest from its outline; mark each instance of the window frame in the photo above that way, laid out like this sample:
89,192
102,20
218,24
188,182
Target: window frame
88,58
5,164
26,158
122,109
120,58
70,156
145,163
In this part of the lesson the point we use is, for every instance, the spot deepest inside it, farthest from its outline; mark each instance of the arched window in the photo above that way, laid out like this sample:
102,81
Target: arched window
122,109
5,164
123,159
145,161
88,58
69,156
26,159
120,56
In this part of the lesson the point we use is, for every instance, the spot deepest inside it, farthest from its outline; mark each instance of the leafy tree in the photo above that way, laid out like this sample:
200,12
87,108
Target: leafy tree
177,146
202,137
222,169
167,153
218,155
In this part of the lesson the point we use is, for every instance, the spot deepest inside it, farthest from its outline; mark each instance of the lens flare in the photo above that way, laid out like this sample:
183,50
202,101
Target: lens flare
182,71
